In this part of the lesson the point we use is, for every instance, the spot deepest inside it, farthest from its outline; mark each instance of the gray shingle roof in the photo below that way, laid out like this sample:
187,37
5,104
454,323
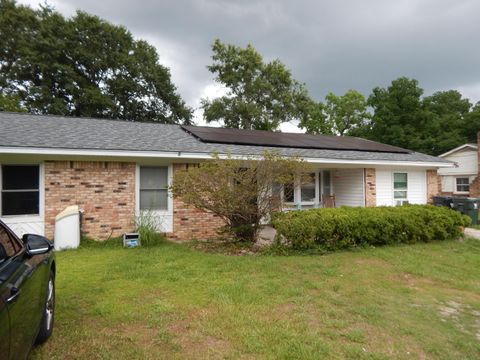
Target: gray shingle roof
38,131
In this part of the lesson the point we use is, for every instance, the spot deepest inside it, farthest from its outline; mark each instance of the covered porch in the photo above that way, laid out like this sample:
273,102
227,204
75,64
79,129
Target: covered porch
361,186
327,187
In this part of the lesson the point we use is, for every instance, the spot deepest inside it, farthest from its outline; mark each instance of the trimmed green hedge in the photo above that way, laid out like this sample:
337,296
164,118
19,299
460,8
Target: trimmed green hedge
349,227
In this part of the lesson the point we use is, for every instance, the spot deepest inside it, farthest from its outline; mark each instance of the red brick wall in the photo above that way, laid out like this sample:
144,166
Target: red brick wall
104,190
475,184
370,188
190,223
433,185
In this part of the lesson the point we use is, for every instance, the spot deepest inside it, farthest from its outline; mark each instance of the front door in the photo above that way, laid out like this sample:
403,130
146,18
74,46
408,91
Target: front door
154,203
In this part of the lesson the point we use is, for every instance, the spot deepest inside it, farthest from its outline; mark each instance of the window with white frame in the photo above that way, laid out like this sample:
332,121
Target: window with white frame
154,188
400,187
309,192
20,190
462,184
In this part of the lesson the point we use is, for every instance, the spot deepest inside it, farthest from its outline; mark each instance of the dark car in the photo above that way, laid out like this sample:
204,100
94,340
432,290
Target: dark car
27,292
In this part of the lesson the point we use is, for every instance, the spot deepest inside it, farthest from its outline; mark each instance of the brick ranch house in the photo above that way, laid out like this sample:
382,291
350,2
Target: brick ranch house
115,169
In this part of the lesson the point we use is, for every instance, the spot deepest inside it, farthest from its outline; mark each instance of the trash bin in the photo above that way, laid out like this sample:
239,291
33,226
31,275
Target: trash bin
67,228
443,201
469,207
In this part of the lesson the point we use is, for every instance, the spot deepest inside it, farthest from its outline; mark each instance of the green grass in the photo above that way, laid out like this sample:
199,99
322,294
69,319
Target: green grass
171,301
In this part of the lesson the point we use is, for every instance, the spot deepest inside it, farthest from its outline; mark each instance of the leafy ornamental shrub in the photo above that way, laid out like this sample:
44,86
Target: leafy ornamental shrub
349,227
241,192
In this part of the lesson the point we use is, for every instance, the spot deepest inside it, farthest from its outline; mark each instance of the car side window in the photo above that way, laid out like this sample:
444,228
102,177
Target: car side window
8,246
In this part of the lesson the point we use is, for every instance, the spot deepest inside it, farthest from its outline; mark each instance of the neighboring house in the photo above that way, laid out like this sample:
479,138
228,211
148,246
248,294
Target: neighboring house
115,169
458,180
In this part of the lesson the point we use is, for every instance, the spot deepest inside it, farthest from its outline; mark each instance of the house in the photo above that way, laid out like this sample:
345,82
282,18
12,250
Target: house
115,169
461,180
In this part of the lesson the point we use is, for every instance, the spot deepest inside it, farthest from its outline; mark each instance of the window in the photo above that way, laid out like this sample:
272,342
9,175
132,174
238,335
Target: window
327,187
462,184
289,193
20,190
154,188
307,190
400,186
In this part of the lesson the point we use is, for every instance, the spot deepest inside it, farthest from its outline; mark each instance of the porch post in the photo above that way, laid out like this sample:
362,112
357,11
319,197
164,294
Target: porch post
370,187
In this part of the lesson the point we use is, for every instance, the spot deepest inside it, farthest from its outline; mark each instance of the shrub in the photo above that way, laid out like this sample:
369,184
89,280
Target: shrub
146,225
241,192
347,227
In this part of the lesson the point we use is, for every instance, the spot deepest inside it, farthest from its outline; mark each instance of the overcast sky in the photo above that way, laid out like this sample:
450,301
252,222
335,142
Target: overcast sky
328,45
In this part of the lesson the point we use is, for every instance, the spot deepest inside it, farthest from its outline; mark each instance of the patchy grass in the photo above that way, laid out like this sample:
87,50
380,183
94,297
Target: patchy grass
171,301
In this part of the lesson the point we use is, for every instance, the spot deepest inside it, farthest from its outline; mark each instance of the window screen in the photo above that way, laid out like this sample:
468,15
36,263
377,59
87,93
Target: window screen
400,185
20,190
154,188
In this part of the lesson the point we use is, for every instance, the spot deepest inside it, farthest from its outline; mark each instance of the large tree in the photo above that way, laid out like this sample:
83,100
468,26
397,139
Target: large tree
472,124
338,115
398,116
259,96
82,66
446,125
432,124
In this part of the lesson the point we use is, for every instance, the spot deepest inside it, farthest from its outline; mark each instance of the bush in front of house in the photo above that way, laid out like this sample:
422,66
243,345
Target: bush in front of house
346,227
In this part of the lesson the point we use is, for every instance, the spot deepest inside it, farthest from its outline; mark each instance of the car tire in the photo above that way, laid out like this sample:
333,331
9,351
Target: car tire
46,325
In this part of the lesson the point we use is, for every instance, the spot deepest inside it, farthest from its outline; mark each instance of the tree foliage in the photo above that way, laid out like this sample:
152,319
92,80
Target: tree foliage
338,115
432,124
242,192
259,96
82,66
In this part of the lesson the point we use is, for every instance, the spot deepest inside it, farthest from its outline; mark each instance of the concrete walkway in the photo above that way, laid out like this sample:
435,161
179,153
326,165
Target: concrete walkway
472,233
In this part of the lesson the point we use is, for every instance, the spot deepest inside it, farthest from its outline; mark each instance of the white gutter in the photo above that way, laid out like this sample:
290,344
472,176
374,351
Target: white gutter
199,156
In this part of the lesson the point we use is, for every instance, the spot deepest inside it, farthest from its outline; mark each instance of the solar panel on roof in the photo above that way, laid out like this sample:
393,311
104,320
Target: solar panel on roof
277,139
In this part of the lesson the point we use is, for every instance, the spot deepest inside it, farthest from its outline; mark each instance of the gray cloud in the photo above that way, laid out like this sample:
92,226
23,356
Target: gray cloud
329,45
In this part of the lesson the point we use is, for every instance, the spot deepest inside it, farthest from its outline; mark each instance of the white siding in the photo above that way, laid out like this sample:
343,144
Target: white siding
384,182
417,187
467,161
348,187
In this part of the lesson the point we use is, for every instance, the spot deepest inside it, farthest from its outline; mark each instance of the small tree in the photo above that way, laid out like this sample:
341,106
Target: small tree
242,192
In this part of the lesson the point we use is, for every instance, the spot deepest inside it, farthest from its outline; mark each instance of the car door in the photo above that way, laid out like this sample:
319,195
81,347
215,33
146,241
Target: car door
4,319
22,293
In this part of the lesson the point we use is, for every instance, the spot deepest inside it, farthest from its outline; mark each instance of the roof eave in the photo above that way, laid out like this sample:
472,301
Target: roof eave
64,152
458,148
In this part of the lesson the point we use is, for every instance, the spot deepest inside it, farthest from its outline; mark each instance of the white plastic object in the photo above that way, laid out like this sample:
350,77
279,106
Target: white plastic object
67,228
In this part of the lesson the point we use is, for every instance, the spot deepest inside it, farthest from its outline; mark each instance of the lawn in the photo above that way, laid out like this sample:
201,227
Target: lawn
170,301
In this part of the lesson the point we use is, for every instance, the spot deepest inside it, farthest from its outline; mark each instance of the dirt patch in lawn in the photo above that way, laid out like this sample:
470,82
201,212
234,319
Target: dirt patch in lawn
193,342
463,316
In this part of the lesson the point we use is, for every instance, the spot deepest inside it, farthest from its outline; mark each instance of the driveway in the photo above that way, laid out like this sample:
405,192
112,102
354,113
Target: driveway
472,233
